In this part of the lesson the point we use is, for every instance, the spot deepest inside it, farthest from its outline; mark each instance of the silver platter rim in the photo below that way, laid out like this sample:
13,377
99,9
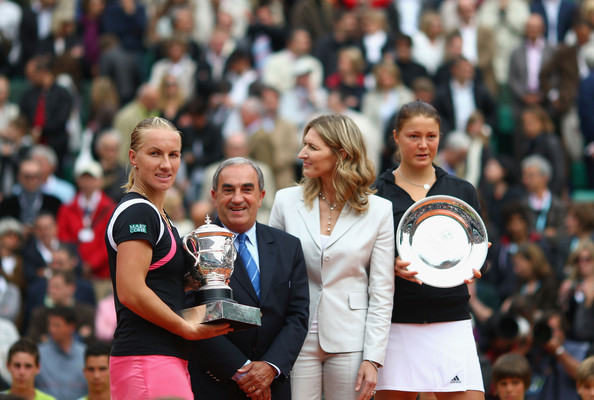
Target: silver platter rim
450,258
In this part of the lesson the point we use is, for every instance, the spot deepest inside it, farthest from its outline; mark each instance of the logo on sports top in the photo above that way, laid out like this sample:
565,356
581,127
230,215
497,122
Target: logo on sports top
135,228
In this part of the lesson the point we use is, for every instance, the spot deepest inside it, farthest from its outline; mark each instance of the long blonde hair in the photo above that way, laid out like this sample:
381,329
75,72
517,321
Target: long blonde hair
354,172
138,136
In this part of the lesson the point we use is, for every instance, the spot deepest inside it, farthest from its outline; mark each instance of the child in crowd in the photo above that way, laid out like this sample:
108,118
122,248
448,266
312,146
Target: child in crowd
511,376
585,379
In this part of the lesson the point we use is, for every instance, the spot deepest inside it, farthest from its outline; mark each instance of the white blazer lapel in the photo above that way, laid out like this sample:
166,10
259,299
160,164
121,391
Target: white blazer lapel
311,218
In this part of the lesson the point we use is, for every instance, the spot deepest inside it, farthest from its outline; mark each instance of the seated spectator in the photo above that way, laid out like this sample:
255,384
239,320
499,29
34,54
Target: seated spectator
387,97
24,363
345,33
539,138
12,266
15,143
37,252
143,106
277,72
304,98
172,99
120,66
10,335
104,103
375,35
500,186
89,29
518,232
178,64
511,376
97,372
349,76
576,293
64,46
402,56
585,379
61,287
83,223
479,150
240,74
202,145
429,42
115,175
31,200
579,227
547,210
452,157
47,107
462,95
536,279
8,111
58,187
64,257
10,301
61,373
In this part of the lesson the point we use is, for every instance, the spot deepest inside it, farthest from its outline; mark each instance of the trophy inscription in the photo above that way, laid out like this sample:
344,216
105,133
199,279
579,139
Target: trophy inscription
213,251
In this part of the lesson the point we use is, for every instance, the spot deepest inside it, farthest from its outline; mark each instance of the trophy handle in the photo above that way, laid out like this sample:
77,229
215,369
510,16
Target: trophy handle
193,251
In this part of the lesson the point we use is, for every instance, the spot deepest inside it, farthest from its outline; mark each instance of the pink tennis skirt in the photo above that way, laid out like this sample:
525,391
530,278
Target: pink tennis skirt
149,378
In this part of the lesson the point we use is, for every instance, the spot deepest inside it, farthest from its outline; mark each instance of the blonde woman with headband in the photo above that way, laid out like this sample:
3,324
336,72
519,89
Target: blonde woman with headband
148,264
348,241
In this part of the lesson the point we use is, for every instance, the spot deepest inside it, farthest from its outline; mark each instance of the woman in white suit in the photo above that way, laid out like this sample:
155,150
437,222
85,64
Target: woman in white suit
348,243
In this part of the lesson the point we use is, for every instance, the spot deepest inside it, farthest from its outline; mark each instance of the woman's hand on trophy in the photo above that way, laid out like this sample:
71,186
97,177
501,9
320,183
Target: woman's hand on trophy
190,283
207,331
401,271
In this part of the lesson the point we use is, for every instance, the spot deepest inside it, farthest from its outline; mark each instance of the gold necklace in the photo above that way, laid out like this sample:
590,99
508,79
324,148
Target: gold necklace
426,186
161,212
332,207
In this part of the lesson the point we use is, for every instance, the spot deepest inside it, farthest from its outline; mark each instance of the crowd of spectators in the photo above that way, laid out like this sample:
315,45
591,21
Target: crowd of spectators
511,80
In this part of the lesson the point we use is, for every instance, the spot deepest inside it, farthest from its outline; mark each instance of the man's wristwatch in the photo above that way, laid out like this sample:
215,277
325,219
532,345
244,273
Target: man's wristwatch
559,350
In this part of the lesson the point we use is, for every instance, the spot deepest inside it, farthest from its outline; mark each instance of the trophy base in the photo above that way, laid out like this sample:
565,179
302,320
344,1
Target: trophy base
213,294
239,316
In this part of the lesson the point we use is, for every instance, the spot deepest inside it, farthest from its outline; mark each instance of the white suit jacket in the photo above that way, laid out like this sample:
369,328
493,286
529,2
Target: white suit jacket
351,282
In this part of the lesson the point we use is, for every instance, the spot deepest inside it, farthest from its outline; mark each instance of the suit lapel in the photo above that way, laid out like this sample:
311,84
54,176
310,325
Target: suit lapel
240,275
311,218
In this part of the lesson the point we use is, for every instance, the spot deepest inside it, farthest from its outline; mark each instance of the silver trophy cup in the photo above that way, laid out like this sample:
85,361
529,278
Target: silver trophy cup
212,249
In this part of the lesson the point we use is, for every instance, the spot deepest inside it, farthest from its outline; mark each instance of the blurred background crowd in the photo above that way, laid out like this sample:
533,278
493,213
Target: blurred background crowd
511,80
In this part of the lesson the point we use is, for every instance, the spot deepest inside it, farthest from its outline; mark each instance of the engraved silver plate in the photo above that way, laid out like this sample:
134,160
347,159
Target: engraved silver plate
444,239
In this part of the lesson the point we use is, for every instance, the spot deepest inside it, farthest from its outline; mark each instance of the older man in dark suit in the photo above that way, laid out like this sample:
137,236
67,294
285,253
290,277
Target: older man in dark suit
30,201
254,362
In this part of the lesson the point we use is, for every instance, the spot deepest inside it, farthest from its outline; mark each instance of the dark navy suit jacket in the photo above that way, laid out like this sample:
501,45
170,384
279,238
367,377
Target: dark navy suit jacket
284,306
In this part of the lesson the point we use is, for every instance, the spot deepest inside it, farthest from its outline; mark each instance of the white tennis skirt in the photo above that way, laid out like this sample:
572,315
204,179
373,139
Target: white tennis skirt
437,357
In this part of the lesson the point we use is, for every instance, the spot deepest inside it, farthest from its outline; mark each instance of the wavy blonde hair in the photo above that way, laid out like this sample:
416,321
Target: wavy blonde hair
354,172
137,139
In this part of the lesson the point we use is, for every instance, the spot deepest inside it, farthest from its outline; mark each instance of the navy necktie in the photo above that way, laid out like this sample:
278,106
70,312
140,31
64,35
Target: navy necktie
249,263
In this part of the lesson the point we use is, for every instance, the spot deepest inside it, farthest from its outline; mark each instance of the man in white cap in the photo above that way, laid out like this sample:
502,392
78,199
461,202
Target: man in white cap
84,220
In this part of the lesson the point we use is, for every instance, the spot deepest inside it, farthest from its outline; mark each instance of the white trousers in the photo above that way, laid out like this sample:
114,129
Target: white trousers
317,374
